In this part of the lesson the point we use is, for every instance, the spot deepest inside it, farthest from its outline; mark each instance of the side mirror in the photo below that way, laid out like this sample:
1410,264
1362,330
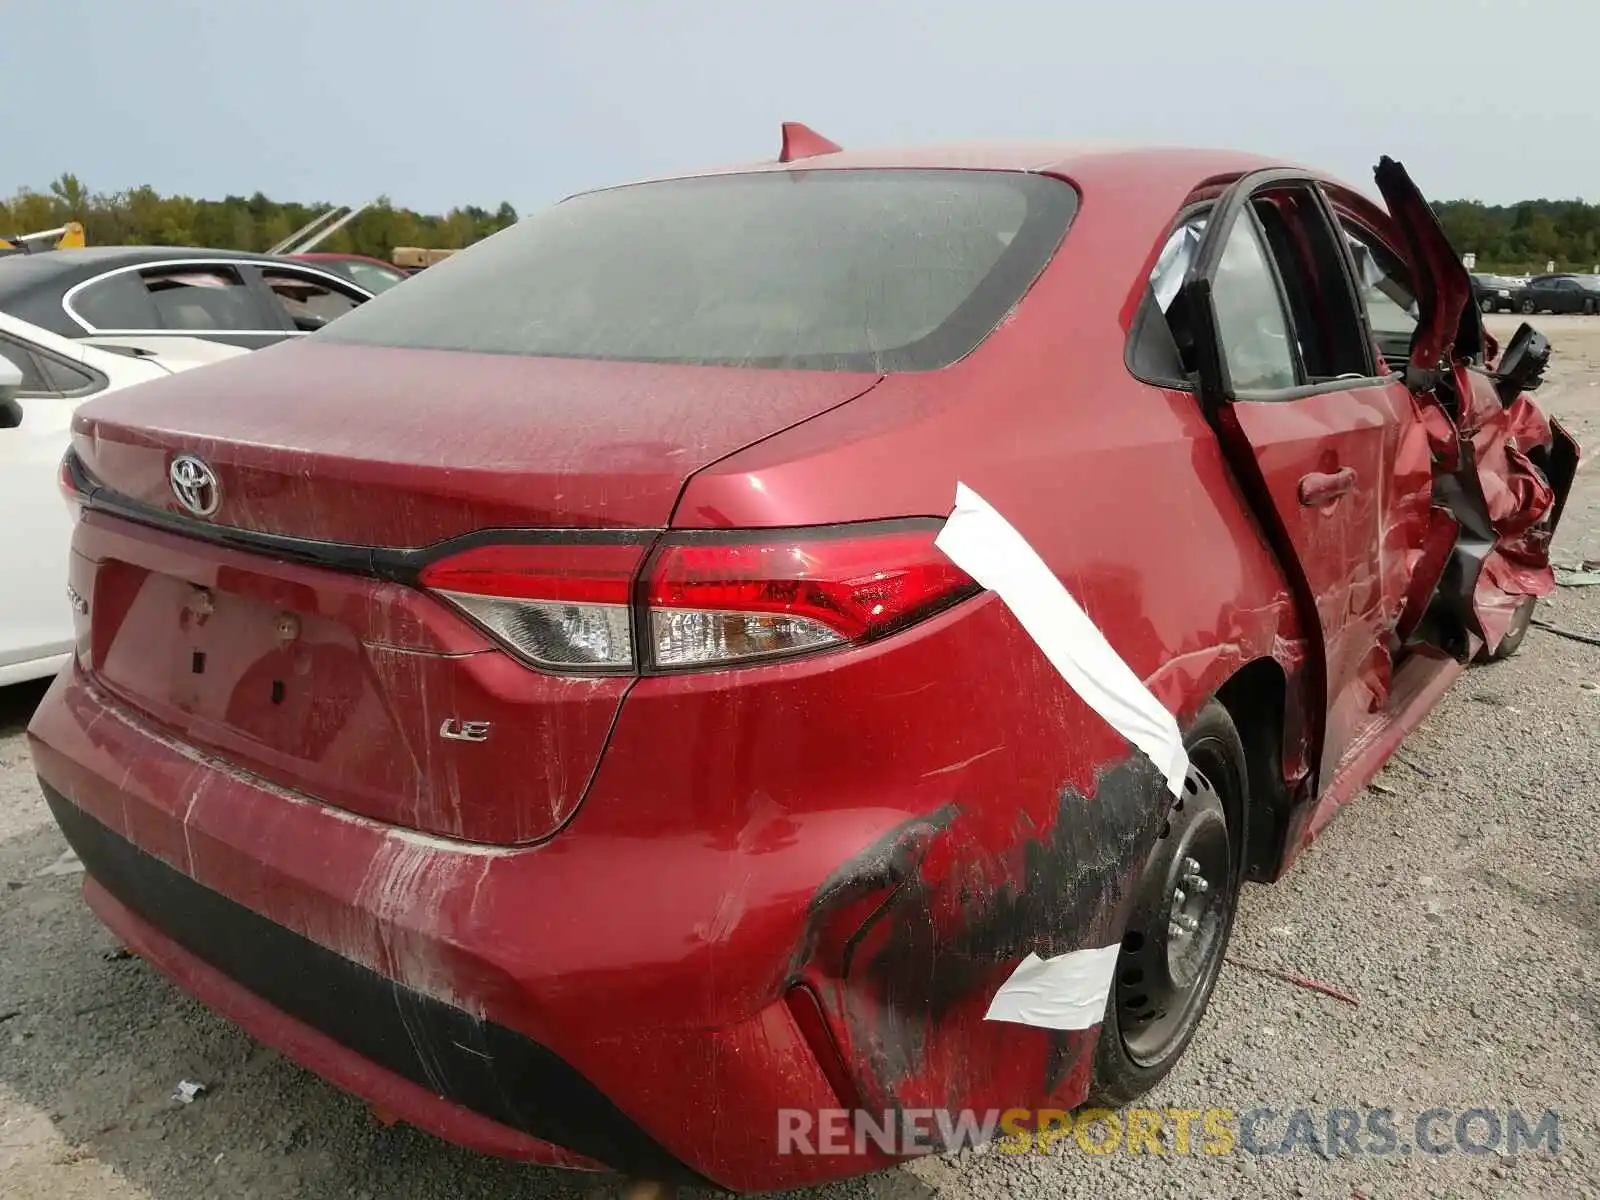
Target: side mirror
1523,364
10,382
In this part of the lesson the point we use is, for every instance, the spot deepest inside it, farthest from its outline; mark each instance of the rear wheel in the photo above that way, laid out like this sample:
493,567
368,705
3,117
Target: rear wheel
1521,622
1588,308
1487,304
1528,308
1183,909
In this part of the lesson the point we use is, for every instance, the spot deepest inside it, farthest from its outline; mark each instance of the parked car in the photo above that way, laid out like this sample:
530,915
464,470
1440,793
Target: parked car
1495,293
141,292
1561,294
48,377
372,274
831,635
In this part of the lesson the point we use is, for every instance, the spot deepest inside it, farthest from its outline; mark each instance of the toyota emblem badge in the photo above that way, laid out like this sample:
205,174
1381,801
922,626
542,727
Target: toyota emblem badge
195,485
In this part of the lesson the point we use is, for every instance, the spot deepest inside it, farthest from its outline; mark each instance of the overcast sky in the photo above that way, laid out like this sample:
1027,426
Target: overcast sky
477,101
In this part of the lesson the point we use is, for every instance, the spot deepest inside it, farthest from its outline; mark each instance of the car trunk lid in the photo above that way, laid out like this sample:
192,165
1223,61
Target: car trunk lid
404,448
287,634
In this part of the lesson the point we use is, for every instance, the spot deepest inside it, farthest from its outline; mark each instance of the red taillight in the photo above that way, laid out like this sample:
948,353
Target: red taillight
561,606
726,601
581,573
711,600
67,481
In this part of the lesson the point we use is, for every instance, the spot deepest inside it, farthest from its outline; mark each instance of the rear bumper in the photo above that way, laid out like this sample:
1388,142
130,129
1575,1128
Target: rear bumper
424,976
748,913
391,1095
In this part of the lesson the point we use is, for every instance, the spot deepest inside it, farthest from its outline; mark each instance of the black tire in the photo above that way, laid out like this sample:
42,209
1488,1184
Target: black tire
1487,304
1163,983
1529,308
1521,622
1588,308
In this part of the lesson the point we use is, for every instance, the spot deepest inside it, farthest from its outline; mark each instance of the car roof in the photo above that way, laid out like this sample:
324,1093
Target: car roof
1074,160
25,272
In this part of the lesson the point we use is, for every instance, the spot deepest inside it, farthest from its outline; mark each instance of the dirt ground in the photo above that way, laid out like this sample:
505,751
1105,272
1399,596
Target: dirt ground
1458,900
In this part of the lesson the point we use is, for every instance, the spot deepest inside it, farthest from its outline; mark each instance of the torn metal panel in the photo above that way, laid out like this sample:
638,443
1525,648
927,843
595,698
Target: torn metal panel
1448,325
1494,451
1502,502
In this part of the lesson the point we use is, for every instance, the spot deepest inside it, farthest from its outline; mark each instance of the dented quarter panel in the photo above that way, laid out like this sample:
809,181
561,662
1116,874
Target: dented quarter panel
1022,836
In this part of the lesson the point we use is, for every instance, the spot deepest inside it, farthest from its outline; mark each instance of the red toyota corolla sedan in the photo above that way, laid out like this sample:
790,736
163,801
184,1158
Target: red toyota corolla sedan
824,636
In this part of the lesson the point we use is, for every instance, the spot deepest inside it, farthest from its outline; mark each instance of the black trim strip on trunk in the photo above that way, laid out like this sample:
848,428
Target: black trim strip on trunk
405,565
382,562
484,1067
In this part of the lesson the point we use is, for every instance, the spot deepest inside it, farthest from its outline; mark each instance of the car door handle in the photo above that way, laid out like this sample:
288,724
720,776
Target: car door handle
1319,488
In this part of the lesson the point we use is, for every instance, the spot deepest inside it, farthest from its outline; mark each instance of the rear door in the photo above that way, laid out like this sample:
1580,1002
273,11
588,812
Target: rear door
1326,441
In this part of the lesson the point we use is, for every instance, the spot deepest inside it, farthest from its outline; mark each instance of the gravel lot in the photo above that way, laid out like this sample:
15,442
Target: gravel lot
1458,899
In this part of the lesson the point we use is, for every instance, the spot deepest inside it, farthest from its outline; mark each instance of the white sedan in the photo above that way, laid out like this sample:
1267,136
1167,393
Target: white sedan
43,378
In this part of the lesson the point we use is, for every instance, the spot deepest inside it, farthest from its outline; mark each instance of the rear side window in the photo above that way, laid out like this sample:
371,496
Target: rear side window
369,275
200,298
306,301
33,380
116,302
823,270
66,379
43,374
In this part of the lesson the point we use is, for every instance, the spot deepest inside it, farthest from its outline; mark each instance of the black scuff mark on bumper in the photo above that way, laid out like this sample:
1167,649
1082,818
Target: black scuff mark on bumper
926,947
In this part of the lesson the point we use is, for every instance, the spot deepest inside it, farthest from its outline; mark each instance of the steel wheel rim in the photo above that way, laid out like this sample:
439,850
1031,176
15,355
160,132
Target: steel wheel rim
1183,907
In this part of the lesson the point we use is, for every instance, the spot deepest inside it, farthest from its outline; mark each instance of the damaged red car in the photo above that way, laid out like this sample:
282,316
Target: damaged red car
550,704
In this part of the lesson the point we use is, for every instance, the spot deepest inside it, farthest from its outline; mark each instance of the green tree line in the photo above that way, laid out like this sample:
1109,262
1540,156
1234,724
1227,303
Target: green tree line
141,216
1523,237
1519,237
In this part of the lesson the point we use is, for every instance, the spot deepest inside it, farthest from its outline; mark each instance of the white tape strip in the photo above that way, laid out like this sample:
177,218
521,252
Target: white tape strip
1066,992
984,545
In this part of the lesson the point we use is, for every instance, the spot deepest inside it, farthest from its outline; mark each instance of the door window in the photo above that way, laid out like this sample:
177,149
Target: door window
1250,319
1316,287
204,299
199,298
308,303
1385,286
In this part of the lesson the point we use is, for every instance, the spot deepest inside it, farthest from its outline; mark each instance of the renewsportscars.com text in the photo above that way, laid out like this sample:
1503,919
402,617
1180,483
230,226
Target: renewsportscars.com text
1324,1132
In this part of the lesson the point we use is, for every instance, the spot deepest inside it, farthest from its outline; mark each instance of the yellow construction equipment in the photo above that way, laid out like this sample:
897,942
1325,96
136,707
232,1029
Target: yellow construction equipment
414,258
66,237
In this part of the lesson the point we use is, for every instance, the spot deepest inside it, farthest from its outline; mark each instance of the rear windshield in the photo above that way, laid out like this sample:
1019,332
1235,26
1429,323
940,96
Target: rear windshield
822,270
